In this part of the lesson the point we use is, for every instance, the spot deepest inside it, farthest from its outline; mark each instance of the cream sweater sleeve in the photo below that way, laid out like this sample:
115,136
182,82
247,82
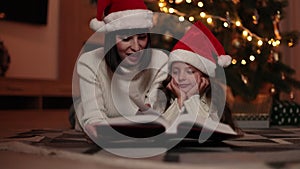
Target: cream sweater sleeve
90,110
197,104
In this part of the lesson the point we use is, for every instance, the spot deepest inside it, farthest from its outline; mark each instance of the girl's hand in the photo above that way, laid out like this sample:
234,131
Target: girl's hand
200,87
204,83
181,96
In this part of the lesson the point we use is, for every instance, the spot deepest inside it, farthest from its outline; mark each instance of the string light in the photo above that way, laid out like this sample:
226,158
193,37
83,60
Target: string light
260,42
202,14
181,18
191,18
177,1
171,10
249,38
209,19
200,4
243,62
225,24
234,61
252,58
238,23
245,33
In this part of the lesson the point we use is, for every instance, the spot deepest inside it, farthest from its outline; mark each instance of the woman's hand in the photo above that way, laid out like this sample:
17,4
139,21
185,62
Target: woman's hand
91,130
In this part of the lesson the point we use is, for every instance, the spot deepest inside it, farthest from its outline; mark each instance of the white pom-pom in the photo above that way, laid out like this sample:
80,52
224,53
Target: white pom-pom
95,24
224,60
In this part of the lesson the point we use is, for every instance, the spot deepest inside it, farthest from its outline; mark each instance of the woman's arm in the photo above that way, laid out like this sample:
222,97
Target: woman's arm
92,108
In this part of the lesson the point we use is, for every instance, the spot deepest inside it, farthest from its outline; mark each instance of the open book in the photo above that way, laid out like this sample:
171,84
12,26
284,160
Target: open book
154,125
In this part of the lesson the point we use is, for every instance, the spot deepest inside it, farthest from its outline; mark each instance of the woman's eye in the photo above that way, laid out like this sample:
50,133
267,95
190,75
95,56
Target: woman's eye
125,38
142,36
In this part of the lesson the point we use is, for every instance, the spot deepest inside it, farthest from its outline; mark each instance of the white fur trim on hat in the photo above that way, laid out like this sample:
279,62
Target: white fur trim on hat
127,19
95,24
203,64
224,60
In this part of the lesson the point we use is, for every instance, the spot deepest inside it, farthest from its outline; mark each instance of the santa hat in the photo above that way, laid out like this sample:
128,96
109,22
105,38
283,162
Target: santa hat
114,15
201,49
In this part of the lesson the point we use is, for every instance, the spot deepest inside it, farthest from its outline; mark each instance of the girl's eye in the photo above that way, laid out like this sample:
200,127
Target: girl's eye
190,71
175,72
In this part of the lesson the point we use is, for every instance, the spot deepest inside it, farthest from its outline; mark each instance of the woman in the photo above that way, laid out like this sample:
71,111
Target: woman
122,77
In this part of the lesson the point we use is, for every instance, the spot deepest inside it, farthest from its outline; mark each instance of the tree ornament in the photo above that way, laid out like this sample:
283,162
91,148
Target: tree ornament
292,96
255,17
276,20
244,78
236,43
236,1
228,20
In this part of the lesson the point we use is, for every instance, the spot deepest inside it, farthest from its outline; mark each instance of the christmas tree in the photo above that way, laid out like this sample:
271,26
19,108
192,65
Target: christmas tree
249,31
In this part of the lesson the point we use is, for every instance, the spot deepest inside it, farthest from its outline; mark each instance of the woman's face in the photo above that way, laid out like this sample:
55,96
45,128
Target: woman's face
185,75
129,46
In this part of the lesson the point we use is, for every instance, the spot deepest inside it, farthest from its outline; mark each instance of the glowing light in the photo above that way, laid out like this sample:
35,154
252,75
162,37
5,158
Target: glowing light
202,14
290,44
245,33
258,51
225,24
178,1
243,62
252,58
273,90
161,4
171,10
165,9
188,1
209,20
200,4
191,18
260,42
238,23
277,42
234,61
249,38
181,18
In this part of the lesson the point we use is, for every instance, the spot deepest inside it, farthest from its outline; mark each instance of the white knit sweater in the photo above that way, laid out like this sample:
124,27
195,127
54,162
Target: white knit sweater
102,96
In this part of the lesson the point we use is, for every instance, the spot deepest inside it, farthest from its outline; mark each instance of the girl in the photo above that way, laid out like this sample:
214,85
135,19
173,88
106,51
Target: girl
192,69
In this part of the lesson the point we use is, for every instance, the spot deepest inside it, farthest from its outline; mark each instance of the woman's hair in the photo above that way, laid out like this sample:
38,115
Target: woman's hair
113,59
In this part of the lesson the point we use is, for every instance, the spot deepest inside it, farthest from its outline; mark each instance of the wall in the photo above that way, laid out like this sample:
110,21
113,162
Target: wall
33,48
290,56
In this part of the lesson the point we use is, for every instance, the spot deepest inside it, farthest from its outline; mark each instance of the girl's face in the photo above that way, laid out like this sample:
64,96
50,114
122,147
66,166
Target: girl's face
185,75
129,46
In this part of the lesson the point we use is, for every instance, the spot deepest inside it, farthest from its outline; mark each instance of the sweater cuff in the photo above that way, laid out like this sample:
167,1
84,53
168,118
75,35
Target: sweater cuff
196,105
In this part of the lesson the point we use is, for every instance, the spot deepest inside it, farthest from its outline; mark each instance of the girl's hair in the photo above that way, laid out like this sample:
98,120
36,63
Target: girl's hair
113,59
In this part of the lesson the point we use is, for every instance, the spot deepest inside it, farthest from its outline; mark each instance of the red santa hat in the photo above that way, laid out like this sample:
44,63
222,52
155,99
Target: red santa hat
199,48
121,14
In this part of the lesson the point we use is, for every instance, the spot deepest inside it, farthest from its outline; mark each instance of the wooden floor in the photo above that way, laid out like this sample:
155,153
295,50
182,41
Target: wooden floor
12,121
